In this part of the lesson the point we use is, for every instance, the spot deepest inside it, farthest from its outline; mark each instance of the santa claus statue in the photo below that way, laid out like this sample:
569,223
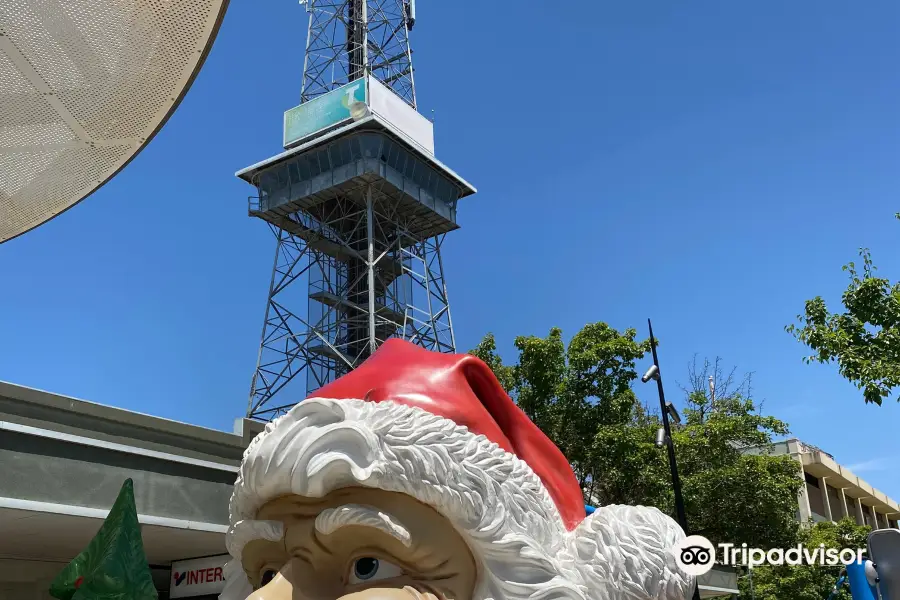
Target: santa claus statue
416,477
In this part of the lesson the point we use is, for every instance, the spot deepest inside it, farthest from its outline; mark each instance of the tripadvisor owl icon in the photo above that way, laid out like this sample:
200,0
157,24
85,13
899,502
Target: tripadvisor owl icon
695,555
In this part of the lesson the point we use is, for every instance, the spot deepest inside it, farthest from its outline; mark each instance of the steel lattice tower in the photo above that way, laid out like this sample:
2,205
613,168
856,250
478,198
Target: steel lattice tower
359,208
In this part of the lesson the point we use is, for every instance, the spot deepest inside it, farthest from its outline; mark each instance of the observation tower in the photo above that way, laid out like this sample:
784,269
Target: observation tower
359,204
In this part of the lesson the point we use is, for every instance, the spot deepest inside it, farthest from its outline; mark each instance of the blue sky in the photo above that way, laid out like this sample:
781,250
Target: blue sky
708,164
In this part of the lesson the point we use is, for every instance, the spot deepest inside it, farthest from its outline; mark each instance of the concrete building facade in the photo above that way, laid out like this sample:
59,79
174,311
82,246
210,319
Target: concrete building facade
62,462
831,491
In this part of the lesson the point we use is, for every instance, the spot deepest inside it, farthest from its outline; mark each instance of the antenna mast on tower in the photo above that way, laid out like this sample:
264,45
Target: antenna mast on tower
339,30
359,205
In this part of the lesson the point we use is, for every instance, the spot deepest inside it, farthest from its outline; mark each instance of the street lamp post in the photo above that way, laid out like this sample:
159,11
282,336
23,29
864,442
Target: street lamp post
666,409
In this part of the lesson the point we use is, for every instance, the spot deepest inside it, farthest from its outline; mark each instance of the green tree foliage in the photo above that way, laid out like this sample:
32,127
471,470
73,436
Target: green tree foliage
732,495
486,350
807,582
581,396
864,340
572,391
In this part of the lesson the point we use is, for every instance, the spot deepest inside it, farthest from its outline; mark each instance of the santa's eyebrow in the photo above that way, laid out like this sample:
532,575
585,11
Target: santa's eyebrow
332,519
243,532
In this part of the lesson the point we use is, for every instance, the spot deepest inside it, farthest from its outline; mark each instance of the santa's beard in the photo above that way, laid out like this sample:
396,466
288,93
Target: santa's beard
494,500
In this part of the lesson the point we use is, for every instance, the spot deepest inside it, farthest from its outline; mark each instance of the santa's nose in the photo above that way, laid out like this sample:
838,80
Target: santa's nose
278,589
293,582
284,591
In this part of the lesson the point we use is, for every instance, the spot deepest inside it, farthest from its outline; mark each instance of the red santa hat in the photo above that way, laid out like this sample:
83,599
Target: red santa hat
463,389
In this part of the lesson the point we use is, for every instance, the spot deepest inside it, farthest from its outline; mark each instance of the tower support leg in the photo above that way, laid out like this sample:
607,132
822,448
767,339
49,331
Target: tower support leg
370,224
284,334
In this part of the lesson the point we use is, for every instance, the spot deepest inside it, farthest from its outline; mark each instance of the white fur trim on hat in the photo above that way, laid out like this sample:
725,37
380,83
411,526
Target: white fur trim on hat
493,498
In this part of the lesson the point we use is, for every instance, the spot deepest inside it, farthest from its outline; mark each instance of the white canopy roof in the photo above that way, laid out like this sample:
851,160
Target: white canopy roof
84,85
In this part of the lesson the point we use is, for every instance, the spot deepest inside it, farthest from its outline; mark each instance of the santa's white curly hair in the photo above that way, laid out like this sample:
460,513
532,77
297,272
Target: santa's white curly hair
495,501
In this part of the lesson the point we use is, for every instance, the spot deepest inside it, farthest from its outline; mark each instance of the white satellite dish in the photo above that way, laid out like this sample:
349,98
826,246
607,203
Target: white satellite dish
84,85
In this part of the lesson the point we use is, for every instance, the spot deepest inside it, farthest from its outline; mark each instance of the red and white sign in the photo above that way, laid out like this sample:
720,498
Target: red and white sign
198,577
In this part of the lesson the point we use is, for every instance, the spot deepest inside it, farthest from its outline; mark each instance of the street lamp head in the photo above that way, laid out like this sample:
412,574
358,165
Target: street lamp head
660,437
673,413
652,373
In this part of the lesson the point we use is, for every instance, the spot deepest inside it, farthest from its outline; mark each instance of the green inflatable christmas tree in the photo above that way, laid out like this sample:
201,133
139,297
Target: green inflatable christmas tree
113,566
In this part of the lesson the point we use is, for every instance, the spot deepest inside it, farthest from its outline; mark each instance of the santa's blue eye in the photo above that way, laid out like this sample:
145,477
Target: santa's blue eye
365,567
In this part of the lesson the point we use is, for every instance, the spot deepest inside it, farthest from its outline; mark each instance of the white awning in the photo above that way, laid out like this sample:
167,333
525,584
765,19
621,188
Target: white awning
84,85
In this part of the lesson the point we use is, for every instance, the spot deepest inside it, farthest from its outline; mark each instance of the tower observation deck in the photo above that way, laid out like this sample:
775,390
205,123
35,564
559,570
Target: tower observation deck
359,205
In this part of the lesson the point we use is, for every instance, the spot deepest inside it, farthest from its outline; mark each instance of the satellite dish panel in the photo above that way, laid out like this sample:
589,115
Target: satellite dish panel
84,86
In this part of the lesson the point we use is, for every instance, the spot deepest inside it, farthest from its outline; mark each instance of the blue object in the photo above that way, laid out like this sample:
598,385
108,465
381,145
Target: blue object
589,509
837,586
859,584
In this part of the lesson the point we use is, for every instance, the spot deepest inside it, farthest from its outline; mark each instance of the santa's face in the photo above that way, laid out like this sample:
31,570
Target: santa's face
359,544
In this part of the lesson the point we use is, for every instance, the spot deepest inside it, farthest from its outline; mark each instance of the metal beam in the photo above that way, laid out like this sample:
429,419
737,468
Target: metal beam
370,219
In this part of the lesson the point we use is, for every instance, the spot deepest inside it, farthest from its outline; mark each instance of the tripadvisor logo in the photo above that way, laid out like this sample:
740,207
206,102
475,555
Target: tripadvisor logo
696,555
